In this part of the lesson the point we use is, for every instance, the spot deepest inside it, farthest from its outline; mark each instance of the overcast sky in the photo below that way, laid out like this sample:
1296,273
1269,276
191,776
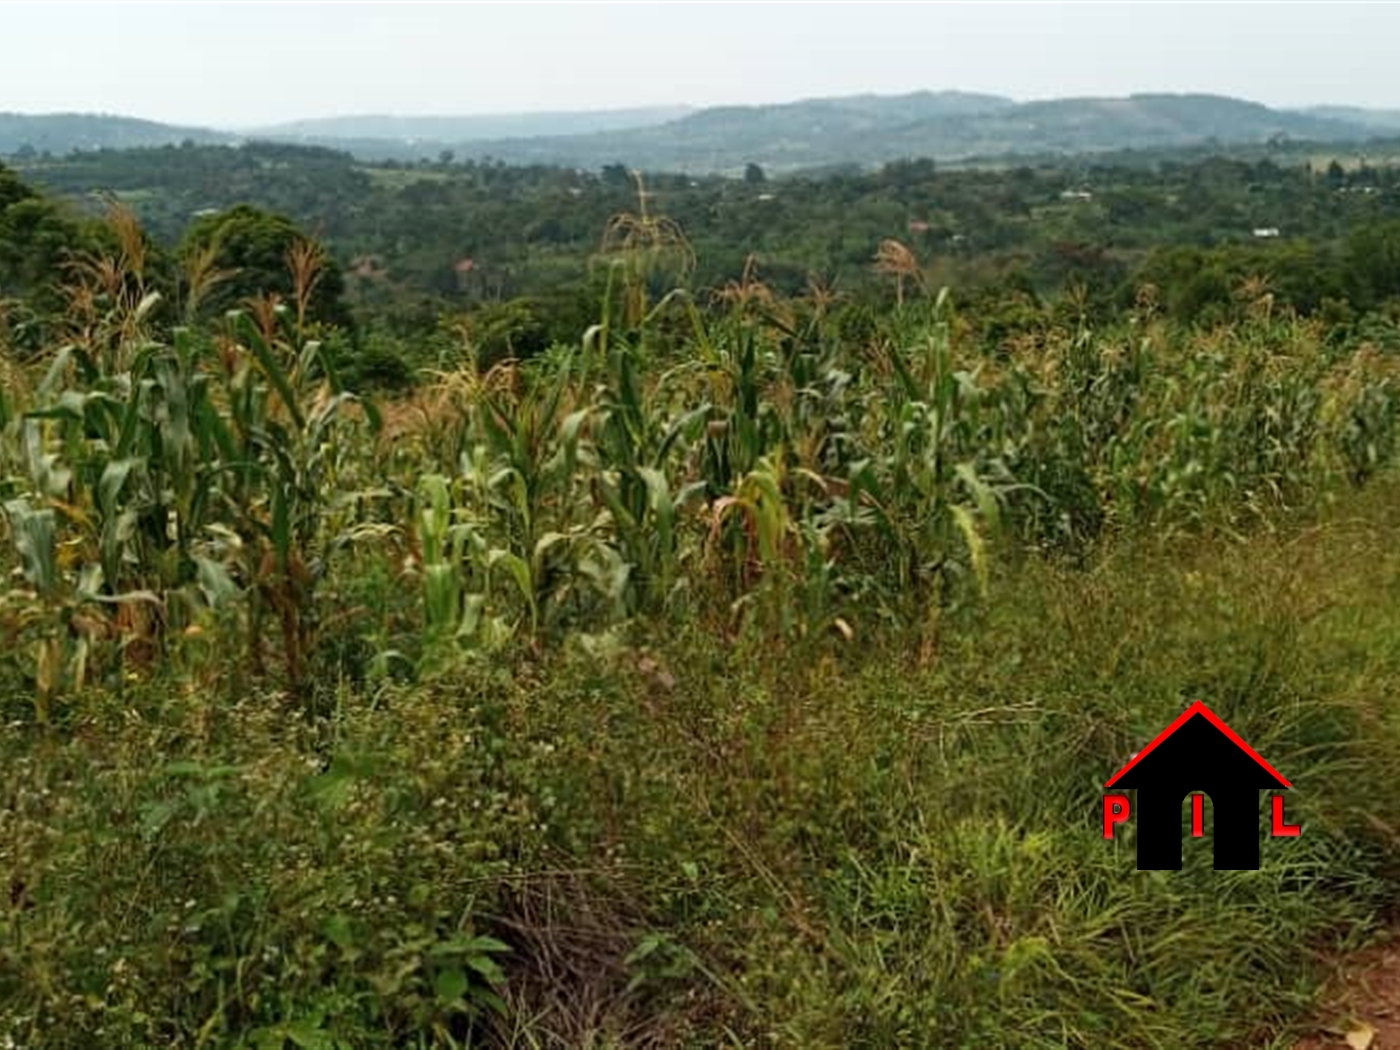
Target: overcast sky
242,64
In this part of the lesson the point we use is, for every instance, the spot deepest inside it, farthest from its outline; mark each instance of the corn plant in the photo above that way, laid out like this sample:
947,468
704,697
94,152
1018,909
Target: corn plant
645,248
174,473
1361,412
286,471
811,468
631,446
935,479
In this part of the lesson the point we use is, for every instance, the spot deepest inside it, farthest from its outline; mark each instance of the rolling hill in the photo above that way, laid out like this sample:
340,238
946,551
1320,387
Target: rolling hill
1383,120
862,130
62,133
336,130
847,131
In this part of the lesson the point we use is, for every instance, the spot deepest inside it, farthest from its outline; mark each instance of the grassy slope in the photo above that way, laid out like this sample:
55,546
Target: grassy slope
854,846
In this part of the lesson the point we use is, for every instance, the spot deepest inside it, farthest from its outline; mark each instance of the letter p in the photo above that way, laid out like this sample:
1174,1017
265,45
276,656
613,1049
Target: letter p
1115,811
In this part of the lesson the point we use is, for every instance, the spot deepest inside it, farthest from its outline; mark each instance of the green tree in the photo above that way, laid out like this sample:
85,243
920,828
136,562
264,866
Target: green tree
12,188
37,239
1373,256
253,248
616,175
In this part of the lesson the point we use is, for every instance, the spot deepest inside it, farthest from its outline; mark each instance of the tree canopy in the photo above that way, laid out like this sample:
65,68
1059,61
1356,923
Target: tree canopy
253,250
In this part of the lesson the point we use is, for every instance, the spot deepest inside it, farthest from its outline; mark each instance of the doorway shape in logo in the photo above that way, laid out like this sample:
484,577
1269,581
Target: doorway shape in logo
1196,753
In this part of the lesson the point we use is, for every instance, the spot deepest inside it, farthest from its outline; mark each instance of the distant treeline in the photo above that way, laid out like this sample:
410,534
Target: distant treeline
1196,238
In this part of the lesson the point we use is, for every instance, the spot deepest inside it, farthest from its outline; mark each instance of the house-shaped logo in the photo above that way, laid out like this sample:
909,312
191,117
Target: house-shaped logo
1196,753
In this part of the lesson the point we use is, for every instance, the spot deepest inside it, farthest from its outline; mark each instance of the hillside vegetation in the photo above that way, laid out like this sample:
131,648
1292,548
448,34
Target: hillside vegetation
59,133
339,131
875,131
861,130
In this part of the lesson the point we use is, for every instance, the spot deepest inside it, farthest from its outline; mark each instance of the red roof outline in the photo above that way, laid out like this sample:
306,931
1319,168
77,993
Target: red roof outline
1199,708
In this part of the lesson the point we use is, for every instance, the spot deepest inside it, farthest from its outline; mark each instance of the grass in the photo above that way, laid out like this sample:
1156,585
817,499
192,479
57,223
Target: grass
691,843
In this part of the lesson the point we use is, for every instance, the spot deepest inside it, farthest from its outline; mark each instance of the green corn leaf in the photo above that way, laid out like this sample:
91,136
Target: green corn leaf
274,372
34,534
214,581
518,569
113,480
281,525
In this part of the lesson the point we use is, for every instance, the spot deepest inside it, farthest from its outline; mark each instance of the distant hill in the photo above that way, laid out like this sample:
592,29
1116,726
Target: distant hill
856,130
336,130
61,133
1386,120
873,131
714,138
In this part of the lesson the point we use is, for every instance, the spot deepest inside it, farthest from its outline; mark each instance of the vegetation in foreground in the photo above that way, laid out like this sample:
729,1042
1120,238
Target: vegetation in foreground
730,677
685,842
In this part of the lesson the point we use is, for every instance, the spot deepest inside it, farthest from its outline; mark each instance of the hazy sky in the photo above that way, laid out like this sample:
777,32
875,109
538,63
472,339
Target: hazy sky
247,63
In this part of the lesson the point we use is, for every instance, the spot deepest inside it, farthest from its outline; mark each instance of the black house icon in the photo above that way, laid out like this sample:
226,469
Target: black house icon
1198,752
